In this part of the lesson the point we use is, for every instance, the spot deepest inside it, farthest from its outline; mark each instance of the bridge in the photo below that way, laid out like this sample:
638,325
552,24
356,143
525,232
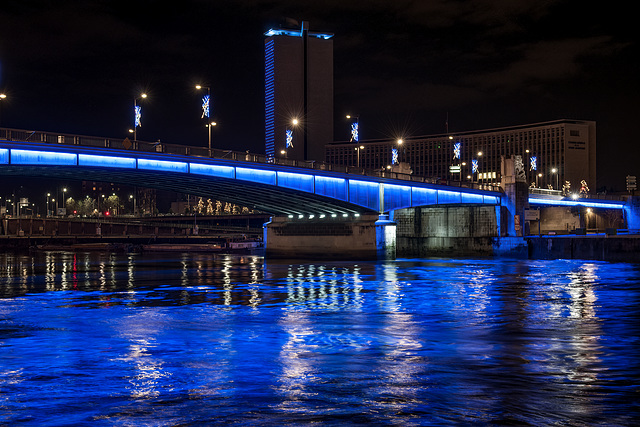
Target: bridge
276,186
282,187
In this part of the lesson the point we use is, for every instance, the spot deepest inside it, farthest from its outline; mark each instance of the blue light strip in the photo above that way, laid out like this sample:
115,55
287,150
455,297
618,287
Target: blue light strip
213,170
297,181
106,161
331,187
4,156
296,33
256,175
163,165
589,203
32,157
269,98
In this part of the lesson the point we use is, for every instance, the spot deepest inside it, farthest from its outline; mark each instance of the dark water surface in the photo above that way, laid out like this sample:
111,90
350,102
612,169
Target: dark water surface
167,340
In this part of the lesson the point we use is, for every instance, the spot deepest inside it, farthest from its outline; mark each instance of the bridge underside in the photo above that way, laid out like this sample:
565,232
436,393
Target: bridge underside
262,197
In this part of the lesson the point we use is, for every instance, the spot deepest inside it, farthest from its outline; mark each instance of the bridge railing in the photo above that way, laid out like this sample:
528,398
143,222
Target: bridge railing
19,135
546,192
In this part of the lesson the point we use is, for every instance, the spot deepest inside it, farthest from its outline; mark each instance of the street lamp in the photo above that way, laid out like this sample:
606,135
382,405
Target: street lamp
206,110
48,195
538,176
2,98
555,172
358,151
288,137
137,115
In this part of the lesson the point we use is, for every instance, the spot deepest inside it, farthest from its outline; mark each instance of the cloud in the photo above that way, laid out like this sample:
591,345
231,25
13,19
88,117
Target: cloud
543,62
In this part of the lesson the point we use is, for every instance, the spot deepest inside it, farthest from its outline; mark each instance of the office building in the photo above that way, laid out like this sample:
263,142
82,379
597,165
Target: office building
552,152
298,86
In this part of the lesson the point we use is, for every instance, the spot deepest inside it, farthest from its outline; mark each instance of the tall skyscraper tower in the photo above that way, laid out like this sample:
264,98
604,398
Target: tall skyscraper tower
298,93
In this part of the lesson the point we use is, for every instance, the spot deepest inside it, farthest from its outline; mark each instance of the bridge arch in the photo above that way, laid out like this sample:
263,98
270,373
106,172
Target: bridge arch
276,189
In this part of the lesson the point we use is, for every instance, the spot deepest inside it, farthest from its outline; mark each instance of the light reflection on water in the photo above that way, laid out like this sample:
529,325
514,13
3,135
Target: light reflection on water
120,339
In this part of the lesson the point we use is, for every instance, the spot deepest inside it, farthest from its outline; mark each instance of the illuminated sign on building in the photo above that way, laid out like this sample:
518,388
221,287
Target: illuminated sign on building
474,165
456,150
394,156
533,163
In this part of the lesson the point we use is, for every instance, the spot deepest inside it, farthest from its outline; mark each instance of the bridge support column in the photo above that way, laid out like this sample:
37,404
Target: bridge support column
632,212
365,237
385,237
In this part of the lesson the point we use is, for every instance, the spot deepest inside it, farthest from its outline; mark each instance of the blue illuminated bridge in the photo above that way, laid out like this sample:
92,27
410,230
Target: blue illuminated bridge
276,186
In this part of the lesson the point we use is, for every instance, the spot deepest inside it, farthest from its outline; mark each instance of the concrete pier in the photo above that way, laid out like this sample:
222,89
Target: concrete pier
364,237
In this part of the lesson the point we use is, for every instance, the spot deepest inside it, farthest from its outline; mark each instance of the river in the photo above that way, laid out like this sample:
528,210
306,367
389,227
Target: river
198,339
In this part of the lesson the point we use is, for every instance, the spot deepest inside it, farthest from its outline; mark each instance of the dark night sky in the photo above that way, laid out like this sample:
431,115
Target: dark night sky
74,66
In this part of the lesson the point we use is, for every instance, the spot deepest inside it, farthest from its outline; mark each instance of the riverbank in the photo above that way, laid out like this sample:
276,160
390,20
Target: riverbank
599,247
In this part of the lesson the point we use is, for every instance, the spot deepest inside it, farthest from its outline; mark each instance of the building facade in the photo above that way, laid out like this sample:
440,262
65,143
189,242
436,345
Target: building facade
298,86
552,152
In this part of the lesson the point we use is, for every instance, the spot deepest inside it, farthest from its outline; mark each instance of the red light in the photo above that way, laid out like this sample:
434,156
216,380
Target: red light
106,213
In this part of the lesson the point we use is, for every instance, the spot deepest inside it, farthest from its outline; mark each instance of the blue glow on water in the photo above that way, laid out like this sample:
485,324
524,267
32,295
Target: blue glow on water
163,165
118,339
106,161
35,157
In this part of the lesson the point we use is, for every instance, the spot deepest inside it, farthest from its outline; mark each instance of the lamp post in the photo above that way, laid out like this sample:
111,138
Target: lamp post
48,195
538,176
555,172
206,110
2,98
288,137
361,147
137,115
